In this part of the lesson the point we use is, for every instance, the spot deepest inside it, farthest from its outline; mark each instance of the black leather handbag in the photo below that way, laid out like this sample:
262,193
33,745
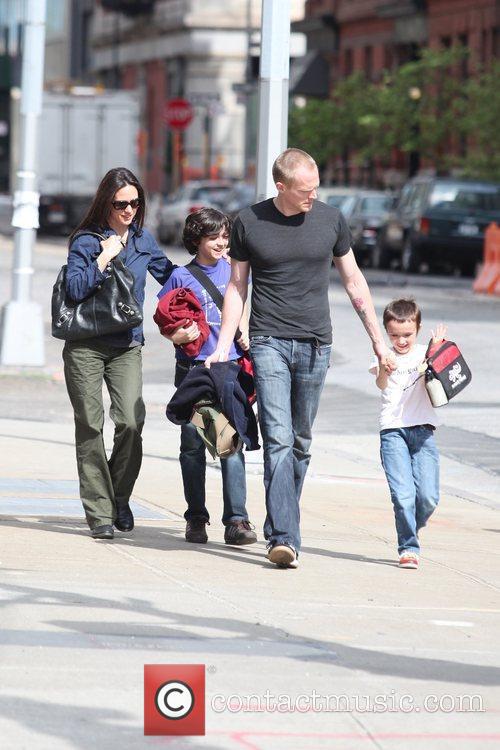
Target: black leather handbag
110,308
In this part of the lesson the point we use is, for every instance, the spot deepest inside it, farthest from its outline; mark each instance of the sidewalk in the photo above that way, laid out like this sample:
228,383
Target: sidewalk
81,618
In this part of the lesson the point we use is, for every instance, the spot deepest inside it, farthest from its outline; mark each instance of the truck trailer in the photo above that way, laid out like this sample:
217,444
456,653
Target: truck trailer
80,138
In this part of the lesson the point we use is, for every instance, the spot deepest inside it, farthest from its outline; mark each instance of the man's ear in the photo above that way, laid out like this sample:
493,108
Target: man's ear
280,186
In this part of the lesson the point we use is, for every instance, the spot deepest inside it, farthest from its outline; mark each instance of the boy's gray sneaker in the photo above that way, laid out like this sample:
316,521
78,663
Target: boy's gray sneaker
283,556
239,533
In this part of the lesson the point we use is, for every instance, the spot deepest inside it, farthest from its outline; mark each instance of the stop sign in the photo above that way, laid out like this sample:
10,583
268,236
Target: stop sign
178,113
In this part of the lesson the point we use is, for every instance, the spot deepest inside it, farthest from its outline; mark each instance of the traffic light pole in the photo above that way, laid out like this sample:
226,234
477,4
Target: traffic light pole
21,336
273,91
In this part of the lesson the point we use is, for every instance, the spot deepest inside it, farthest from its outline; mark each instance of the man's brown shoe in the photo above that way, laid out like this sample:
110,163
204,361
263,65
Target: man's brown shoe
195,530
239,533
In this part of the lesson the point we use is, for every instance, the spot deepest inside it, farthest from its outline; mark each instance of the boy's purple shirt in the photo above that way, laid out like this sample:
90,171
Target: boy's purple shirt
219,274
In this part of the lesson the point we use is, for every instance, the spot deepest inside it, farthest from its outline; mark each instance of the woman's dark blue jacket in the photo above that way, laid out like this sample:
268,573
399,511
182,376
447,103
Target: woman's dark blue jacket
140,255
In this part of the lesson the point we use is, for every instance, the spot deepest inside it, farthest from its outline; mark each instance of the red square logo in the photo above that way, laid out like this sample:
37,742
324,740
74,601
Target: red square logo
174,699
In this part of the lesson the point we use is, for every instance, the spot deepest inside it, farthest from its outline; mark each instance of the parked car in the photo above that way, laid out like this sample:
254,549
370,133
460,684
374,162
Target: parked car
190,197
241,196
439,222
365,211
369,215
346,200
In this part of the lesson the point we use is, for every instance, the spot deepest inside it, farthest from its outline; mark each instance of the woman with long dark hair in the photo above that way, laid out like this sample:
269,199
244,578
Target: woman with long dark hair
117,213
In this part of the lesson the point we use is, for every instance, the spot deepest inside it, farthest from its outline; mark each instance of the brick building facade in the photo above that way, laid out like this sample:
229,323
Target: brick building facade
373,35
377,35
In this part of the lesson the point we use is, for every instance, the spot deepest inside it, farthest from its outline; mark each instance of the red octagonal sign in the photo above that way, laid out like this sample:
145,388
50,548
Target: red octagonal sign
178,113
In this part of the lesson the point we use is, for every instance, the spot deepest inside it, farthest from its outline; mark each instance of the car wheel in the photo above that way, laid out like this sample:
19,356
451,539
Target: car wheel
469,269
381,256
410,261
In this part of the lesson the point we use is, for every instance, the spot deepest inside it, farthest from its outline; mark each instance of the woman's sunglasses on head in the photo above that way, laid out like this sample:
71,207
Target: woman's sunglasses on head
122,205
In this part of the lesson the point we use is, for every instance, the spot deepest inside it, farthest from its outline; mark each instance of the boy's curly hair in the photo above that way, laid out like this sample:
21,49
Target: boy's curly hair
203,223
402,310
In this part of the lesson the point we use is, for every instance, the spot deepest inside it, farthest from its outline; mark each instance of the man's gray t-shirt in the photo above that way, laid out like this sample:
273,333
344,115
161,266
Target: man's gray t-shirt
290,258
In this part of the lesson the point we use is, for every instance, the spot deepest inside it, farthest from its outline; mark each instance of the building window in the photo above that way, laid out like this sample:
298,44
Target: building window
463,40
369,62
496,42
348,62
446,42
388,58
485,40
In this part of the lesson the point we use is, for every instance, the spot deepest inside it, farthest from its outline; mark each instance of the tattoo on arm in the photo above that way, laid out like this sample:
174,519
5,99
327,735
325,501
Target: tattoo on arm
370,325
359,306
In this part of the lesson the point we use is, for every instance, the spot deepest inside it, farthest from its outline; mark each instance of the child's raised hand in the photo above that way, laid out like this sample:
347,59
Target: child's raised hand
439,334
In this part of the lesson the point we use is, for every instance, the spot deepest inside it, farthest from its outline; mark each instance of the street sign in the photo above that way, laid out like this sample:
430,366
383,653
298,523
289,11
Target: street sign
178,113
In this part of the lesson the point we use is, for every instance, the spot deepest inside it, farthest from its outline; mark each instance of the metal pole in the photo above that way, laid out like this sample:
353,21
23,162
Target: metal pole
248,95
273,91
22,324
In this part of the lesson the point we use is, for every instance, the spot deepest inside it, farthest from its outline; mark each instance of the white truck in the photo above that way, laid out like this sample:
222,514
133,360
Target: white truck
80,138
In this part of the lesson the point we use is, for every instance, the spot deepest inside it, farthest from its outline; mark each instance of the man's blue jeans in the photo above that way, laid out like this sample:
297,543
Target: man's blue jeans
411,464
193,467
289,377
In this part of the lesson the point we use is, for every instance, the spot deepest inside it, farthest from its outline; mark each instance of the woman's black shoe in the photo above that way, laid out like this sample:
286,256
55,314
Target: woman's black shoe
103,532
124,520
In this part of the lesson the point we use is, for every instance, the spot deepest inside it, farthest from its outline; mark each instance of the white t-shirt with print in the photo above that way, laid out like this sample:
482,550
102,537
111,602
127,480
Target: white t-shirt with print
405,402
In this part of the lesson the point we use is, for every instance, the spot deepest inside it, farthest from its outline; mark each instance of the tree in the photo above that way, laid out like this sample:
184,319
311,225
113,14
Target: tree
480,124
416,109
332,128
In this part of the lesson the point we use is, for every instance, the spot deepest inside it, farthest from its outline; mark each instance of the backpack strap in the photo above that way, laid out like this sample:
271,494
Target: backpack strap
209,287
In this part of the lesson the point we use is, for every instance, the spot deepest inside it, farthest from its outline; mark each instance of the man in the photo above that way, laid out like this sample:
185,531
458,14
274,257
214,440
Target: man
288,242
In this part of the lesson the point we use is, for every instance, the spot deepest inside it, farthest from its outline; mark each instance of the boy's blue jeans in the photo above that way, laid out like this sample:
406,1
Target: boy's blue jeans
411,464
289,377
193,467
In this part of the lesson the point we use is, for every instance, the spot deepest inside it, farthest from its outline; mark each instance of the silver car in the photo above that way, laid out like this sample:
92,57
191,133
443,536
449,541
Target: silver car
190,197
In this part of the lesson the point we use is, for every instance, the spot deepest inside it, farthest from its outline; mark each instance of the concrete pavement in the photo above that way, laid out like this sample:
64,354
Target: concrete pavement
80,618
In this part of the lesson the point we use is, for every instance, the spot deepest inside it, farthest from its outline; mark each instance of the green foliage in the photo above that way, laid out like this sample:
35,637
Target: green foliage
481,120
425,106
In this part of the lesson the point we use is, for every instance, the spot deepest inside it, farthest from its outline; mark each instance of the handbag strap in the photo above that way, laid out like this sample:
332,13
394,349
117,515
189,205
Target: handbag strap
209,287
92,234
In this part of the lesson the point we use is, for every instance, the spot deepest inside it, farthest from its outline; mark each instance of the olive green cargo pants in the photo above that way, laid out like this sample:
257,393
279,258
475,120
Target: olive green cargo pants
105,483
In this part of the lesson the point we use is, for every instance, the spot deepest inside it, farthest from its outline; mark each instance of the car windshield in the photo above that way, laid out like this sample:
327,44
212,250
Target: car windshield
211,194
375,204
341,201
242,192
451,197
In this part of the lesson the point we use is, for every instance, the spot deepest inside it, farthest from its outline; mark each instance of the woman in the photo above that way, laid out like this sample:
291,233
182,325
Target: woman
117,212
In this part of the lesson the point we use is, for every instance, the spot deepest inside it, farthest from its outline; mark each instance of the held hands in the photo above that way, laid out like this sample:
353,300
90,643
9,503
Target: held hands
185,335
439,334
386,359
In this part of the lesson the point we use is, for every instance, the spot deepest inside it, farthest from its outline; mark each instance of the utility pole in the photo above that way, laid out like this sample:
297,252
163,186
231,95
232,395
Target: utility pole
273,91
21,336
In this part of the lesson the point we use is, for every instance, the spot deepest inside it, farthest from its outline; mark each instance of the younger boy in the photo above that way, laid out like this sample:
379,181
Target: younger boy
206,236
407,422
